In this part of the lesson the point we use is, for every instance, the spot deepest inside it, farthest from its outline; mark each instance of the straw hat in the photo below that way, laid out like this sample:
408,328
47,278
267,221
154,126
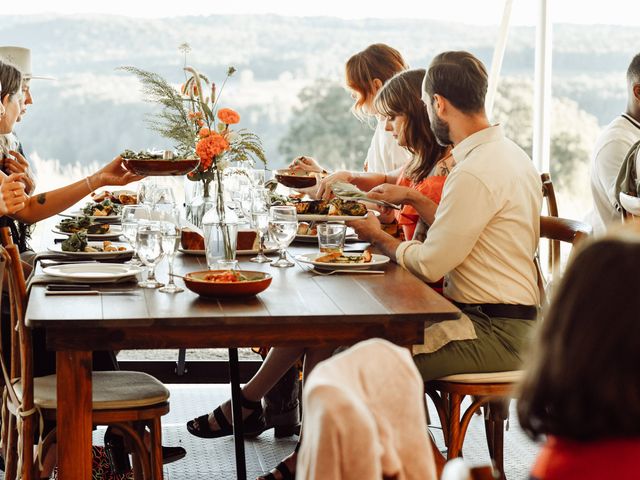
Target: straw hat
20,58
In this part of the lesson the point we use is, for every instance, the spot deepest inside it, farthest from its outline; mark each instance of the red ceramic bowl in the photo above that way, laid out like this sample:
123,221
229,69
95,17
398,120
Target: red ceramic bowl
161,168
256,283
295,178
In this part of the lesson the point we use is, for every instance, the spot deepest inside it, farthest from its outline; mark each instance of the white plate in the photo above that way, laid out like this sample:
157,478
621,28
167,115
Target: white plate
309,258
630,204
114,232
92,272
78,213
238,252
57,248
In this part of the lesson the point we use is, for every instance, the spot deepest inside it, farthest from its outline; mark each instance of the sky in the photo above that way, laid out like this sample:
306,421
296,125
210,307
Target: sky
485,12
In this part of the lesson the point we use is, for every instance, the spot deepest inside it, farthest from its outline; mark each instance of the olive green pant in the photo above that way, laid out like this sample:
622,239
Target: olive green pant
500,346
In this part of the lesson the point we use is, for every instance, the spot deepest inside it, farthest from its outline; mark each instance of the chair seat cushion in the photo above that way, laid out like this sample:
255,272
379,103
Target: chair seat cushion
111,390
511,376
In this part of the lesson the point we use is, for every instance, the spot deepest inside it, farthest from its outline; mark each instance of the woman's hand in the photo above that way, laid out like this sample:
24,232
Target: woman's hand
324,186
395,194
114,173
307,164
19,164
12,196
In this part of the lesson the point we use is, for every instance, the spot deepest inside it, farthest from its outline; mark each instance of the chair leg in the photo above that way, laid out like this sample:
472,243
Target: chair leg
498,411
11,450
156,448
455,441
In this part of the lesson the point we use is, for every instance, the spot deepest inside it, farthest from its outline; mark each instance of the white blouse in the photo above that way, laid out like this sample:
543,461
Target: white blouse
385,155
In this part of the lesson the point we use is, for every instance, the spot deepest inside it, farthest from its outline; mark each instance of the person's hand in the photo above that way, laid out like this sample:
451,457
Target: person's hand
395,194
368,228
324,186
307,164
113,173
16,163
12,196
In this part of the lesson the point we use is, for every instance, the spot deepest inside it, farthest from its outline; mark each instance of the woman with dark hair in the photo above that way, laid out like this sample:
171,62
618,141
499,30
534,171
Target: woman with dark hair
582,389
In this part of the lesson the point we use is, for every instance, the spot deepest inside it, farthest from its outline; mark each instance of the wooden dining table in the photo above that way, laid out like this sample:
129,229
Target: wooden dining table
300,308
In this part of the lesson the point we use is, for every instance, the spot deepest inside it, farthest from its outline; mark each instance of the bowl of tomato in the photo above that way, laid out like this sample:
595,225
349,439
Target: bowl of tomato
227,283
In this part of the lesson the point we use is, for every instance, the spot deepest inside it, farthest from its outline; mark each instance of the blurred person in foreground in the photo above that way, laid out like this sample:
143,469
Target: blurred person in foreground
611,148
483,235
582,388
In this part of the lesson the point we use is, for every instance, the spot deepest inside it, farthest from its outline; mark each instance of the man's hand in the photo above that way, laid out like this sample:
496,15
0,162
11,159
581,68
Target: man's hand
16,163
12,196
368,229
114,173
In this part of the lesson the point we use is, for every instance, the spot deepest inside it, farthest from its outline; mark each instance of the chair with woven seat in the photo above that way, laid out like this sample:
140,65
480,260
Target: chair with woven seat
491,390
129,402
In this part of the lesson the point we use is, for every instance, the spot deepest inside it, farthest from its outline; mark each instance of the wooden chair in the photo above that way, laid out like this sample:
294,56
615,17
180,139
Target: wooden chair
549,196
127,401
494,390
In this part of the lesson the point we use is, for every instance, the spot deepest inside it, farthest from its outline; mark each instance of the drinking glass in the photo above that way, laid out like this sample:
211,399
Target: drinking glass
260,220
145,191
170,242
149,247
130,216
283,225
331,237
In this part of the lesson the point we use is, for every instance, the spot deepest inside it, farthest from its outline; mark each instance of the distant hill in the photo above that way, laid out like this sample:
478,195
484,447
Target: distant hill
93,111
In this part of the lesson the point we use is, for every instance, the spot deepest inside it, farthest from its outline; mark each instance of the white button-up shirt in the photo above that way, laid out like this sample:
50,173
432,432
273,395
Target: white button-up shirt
487,226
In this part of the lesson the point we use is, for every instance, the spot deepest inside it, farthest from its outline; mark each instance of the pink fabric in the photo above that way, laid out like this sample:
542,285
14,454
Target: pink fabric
364,417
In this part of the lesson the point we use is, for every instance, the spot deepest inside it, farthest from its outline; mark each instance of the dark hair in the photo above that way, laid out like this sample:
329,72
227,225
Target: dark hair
633,72
460,78
583,383
11,80
376,61
401,95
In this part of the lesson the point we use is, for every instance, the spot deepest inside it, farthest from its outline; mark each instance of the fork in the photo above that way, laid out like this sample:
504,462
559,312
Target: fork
331,272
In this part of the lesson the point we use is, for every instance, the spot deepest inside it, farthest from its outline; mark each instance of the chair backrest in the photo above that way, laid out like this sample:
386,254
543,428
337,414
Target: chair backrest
560,230
549,195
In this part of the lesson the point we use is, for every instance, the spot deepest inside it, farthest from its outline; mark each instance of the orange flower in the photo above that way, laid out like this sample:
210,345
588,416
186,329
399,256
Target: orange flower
204,132
228,116
210,146
194,115
200,122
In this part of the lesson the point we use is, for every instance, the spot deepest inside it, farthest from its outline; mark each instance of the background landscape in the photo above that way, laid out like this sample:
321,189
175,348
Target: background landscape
289,84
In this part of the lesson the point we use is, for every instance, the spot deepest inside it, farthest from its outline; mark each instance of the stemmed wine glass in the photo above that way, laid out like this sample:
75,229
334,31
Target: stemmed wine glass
170,241
130,216
149,247
283,224
260,219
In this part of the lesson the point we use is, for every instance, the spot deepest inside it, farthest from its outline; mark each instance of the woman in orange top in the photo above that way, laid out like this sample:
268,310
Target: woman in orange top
582,388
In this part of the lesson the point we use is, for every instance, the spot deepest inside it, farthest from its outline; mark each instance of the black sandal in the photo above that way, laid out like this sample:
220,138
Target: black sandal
282,468
254,424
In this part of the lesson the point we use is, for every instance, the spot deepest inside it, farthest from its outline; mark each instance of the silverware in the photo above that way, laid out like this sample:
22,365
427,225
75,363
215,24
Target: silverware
331,272
88,292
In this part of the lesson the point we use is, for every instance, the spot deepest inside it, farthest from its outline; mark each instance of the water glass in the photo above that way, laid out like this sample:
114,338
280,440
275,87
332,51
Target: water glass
130,216
219,242
283,225
260,220
149,248
331,237
170,242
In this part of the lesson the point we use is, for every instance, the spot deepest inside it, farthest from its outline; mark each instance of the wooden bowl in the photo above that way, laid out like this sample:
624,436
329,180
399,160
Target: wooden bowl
258,282
295,178
160,168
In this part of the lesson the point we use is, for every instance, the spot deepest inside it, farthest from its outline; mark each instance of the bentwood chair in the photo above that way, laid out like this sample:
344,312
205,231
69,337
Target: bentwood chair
493,390
129,402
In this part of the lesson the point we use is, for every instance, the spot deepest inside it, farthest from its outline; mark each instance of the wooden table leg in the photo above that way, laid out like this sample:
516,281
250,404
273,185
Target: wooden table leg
74,423
236,406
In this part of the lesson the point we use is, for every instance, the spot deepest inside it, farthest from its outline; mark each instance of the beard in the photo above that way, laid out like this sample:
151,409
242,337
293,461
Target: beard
440,130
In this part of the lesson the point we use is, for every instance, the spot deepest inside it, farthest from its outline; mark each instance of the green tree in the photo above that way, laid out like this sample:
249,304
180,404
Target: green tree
323,127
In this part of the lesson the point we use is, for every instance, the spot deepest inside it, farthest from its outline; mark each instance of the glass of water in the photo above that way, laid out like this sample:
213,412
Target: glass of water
149,248
170,242
260,220
283,225
130,216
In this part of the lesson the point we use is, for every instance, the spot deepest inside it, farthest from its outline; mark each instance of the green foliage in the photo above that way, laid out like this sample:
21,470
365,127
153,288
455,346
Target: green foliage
324,127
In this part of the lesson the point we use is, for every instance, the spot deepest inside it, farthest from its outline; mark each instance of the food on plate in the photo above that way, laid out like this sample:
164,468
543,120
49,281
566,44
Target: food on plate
338,257
123,197
191,240
105,208
335,206
305,228
83,224
78,243
247,240
228,276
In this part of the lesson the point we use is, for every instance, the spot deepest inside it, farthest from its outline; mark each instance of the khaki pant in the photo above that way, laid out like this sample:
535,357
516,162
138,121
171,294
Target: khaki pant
500,346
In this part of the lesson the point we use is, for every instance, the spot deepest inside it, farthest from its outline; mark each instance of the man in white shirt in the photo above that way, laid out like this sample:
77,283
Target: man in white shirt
611,148
483,235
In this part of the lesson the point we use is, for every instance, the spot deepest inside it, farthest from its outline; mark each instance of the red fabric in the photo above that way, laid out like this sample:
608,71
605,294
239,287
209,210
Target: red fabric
562,459
431,187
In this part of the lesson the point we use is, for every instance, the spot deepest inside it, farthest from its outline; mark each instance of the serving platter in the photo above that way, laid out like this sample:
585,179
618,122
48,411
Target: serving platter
297,178
114,232
376,261
127,252
78,213
160,168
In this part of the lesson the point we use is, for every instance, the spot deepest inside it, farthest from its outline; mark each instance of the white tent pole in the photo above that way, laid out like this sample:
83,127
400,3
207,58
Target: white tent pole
498,57
542,88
